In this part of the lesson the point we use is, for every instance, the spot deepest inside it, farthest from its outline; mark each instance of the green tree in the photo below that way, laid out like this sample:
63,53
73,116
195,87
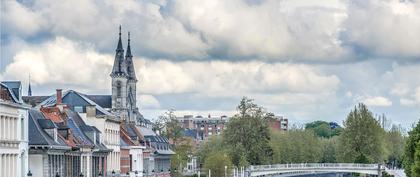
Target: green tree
323,129
213,144
184,150
168,126
395,145
296,146
247,132
362,140
329,150
415,169
410,149
216,162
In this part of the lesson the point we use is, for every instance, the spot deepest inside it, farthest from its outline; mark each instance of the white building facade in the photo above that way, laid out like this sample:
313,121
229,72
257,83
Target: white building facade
13,131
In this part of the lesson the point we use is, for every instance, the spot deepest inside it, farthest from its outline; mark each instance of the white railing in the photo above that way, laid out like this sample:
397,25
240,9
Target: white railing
314,166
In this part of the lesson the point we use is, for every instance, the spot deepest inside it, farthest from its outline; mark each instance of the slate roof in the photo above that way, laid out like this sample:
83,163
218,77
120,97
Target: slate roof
104,101
79,127
34,100
50,101
15,98
37,135
14,86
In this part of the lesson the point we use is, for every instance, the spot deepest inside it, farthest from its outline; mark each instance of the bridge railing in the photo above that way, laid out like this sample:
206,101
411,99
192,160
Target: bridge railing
313,166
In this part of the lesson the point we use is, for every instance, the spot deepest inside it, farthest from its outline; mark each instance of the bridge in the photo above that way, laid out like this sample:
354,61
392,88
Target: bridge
311,168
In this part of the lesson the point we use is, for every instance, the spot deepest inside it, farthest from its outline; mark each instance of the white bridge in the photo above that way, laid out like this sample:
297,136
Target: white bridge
312,168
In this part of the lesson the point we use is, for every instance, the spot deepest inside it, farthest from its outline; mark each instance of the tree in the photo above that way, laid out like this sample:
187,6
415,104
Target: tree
395,145
216,162
213,144
183,150
362,140
330,147
247,133
415,169
323,129
410,149
168,126
296,146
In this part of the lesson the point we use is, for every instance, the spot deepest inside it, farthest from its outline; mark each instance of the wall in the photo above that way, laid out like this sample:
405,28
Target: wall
36,164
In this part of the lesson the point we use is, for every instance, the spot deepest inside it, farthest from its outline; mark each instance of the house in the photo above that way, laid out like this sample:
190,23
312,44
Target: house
13,130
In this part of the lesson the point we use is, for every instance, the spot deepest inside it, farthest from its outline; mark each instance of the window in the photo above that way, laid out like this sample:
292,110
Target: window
118,89
78,109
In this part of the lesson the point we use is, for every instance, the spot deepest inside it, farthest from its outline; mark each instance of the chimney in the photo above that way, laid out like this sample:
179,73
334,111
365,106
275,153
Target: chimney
59,97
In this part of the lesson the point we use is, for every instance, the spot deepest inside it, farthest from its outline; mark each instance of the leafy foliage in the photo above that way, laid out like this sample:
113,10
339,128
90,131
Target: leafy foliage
216,162
410,149
323,129
296,146
415,169
395,146
247,134
362,140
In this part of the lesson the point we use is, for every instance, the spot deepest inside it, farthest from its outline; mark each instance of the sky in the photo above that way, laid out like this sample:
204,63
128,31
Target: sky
303,59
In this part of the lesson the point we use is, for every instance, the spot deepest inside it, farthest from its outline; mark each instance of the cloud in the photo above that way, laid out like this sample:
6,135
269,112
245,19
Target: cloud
392,29
225,79
377,101
148,102
404,83
61,61
330,31
18,19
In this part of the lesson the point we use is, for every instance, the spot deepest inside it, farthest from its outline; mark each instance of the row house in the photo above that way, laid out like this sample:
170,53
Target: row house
13,130
92,114
63,144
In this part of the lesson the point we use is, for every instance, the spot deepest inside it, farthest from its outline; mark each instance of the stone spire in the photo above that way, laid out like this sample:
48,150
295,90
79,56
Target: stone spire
29,86
129,59
119,68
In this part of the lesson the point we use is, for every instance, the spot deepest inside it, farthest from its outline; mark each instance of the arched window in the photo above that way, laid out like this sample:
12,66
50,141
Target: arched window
118,89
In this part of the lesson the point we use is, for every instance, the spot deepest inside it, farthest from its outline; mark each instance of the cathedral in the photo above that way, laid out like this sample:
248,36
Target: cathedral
124,82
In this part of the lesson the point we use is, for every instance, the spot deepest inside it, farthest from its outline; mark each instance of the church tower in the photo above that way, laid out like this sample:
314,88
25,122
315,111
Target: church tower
119,76
131,83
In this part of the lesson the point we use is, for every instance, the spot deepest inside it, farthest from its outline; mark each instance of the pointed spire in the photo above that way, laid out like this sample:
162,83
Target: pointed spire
119,47
119,67
29,86
128,54
129,59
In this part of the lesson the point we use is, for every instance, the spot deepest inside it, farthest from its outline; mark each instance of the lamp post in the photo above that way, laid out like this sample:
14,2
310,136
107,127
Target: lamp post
29,173
225,170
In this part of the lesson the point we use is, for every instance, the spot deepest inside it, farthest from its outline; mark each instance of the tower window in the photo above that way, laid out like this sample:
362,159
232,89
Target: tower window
118,89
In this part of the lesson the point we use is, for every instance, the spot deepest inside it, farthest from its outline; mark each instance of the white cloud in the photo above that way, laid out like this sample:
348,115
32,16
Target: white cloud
147,102
404,83
18,19
61,61
220,78
377,101
391,29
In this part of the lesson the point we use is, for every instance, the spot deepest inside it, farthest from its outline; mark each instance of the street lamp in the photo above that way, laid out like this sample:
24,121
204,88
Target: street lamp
29,173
